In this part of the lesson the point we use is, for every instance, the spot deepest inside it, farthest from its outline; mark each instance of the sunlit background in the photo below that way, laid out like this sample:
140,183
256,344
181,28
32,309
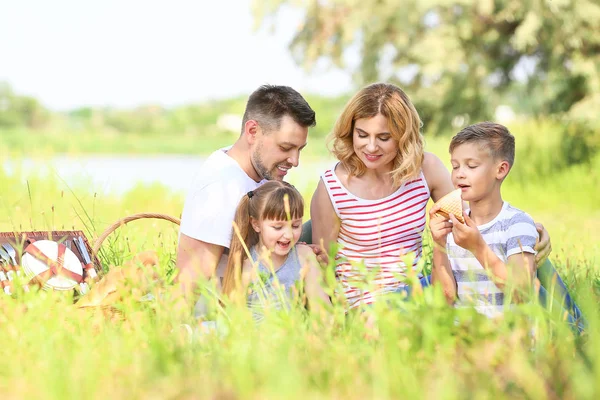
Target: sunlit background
109,108
70,54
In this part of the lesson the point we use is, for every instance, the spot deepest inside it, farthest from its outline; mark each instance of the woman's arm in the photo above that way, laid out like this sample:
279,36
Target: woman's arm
325,223
437,177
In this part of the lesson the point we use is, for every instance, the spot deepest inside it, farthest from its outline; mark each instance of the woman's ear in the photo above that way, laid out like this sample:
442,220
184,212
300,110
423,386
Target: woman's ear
255,225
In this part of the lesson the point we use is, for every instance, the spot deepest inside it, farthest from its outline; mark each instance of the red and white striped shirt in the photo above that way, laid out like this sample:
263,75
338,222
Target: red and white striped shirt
375,236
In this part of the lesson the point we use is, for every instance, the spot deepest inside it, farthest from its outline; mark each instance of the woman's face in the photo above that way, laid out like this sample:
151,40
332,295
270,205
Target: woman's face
373,142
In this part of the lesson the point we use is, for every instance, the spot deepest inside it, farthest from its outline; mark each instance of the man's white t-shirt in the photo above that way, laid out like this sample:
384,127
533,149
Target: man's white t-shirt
210,206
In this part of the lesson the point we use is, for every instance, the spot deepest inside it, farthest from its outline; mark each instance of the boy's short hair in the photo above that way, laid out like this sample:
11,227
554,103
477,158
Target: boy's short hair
494,137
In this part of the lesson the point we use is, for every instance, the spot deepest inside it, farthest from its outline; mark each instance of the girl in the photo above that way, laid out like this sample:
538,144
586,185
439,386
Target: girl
267,225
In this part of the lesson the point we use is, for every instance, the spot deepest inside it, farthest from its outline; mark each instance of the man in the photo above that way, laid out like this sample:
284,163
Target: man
274,132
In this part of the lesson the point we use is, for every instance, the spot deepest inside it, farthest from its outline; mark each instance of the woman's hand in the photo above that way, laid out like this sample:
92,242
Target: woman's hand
543,245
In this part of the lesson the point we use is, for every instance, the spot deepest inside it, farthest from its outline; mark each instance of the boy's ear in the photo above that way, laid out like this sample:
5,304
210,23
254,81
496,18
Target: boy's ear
503,168
255,225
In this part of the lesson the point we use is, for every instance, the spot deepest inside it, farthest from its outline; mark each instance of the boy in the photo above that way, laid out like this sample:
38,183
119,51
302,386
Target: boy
491,254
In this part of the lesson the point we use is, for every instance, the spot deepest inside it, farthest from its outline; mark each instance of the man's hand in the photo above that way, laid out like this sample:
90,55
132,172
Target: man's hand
466,235
543,245
439,226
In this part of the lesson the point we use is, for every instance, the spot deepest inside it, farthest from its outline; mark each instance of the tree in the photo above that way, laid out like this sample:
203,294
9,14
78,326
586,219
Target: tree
18,111
457,57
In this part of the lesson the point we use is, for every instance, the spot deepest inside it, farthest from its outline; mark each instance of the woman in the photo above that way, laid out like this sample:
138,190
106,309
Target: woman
372,202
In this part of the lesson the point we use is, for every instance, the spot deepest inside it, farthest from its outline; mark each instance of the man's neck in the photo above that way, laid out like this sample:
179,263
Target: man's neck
240,153
485,210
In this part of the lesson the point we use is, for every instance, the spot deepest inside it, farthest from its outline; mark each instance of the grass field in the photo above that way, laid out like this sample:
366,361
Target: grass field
423,349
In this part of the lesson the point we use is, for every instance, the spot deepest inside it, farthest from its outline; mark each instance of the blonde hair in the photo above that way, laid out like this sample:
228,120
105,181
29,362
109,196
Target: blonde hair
269,201
403,122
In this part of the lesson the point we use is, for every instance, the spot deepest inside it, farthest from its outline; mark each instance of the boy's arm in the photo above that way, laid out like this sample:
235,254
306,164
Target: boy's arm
441,271
517,272
518,275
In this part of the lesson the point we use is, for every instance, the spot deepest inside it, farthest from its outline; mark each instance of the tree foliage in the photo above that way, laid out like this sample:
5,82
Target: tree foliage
457,57
16,110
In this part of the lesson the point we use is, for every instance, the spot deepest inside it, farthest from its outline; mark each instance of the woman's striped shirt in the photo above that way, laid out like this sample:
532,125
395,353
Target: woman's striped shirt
375,237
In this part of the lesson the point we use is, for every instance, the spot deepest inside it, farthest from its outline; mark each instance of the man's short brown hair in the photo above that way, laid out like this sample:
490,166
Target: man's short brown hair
494,137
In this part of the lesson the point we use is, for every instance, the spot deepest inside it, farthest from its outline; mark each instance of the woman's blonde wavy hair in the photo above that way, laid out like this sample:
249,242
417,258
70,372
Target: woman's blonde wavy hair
403,122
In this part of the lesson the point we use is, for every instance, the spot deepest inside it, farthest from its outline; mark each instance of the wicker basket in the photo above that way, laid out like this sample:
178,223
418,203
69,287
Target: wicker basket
125,221
109,311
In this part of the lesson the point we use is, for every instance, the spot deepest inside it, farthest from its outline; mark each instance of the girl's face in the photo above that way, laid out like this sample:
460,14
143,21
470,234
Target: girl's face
373,142
278,236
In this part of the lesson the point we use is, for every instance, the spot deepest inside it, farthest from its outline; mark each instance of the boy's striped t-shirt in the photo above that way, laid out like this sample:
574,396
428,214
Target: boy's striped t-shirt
511,232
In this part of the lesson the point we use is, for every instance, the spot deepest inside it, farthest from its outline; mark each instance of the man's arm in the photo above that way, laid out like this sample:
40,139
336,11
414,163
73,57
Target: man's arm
195,260
543,246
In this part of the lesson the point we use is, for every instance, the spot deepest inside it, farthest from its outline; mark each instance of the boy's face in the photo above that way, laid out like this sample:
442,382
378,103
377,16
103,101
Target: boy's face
475,171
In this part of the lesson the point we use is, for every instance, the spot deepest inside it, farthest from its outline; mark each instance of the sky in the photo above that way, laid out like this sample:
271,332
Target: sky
75,53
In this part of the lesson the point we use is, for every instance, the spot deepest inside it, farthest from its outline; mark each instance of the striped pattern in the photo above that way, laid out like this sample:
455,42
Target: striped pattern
511,232
376,236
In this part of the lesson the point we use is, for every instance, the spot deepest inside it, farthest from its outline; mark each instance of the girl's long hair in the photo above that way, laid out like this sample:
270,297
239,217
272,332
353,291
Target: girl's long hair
403,122
274,200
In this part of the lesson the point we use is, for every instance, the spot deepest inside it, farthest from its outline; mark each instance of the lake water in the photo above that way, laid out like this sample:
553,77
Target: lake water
109,174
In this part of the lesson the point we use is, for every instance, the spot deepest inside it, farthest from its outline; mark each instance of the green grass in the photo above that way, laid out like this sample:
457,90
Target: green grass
423,349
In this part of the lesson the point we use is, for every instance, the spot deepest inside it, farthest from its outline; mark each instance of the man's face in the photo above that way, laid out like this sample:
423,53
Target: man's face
277,151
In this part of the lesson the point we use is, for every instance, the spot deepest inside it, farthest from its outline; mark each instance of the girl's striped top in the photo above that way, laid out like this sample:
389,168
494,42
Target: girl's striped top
376,236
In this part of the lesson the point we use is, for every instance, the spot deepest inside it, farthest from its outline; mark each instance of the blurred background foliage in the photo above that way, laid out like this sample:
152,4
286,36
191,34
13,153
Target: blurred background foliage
533,65
460,56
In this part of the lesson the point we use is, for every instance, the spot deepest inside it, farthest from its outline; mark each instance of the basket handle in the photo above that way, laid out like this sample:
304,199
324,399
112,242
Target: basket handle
126,220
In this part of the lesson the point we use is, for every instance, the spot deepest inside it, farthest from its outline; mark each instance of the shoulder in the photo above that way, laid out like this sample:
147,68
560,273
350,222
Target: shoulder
305,253
437,176
512,216
220,174
336,172
219,166
519,230
432,163
303,250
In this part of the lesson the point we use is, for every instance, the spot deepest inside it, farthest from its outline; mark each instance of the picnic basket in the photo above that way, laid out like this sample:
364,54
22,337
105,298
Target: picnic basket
75,240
